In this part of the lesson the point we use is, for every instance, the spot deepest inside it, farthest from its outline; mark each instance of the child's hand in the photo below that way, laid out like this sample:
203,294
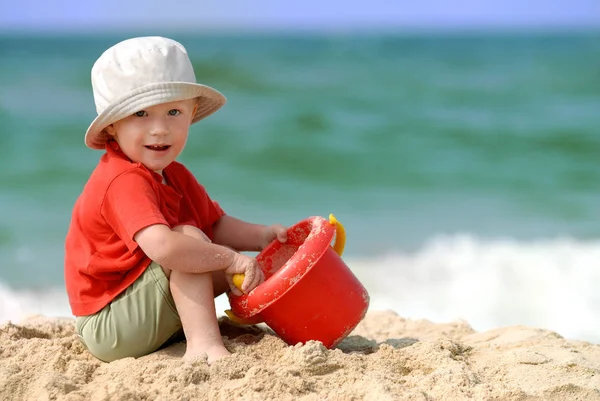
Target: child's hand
271,232
247,266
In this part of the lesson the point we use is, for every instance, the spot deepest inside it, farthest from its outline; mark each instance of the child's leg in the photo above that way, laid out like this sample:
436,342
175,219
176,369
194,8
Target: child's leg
194,298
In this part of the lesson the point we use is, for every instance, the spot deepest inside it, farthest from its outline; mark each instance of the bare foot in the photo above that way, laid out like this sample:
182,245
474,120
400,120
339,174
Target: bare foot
211,354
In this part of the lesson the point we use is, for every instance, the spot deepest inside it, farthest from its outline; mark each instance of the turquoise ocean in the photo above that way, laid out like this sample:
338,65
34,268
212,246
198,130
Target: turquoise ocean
465,167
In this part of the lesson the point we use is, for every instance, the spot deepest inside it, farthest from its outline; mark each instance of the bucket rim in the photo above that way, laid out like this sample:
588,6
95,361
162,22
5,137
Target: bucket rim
291,272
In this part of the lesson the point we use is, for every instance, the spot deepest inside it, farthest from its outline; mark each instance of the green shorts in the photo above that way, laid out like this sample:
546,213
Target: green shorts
137,322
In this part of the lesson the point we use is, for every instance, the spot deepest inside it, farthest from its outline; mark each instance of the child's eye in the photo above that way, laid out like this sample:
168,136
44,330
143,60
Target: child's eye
174,112
140,113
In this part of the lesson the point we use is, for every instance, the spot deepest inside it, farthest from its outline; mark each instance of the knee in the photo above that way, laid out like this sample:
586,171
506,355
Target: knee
192,232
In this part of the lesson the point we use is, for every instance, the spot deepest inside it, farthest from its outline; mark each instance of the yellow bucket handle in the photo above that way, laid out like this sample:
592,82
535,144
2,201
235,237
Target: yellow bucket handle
340,235
238,280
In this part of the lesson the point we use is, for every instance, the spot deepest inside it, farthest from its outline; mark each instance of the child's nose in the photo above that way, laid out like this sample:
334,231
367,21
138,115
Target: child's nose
159,127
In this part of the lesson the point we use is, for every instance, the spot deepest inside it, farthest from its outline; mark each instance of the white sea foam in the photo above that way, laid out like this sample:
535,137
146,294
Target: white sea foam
550,284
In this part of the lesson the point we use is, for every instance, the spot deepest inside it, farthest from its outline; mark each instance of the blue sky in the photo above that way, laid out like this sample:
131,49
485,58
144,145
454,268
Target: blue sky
81,15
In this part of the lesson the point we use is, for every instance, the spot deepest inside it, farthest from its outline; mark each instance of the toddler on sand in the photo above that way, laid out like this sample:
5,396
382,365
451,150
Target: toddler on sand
148,250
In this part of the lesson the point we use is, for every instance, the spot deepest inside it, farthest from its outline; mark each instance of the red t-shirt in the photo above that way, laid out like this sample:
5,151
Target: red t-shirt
119,199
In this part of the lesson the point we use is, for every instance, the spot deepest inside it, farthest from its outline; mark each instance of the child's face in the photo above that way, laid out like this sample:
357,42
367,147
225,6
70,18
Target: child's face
157,135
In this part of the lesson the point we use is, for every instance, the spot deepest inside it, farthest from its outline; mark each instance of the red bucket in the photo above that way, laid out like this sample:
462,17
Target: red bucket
309,293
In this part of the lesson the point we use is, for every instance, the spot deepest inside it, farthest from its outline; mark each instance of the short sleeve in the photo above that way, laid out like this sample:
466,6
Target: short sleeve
131,204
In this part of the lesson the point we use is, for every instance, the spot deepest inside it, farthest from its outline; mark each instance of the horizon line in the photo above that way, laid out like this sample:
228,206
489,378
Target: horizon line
350,30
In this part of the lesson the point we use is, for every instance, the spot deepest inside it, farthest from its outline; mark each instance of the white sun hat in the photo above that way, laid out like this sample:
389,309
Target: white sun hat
142,72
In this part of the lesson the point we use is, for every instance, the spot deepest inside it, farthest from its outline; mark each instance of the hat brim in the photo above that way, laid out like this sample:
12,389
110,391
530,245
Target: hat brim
210,100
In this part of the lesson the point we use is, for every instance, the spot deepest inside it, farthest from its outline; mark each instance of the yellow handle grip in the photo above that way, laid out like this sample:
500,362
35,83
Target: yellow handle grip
340,235
244,321
238,280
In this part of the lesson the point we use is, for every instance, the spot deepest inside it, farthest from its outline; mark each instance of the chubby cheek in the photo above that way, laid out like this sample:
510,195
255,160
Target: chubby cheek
181,139
132,144
177,149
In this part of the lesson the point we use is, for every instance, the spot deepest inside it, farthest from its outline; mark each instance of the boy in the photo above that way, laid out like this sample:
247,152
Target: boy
147,249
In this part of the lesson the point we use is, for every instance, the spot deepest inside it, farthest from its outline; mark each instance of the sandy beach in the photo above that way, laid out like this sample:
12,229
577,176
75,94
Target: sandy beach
387,357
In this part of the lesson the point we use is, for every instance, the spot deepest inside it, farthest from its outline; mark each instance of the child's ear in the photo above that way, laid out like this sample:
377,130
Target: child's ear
110,130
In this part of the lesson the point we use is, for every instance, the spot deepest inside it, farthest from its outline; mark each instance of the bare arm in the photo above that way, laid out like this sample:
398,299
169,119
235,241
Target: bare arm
180,252
238,234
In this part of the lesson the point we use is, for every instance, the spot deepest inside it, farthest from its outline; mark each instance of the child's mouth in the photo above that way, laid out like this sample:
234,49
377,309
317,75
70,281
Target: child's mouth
158,147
